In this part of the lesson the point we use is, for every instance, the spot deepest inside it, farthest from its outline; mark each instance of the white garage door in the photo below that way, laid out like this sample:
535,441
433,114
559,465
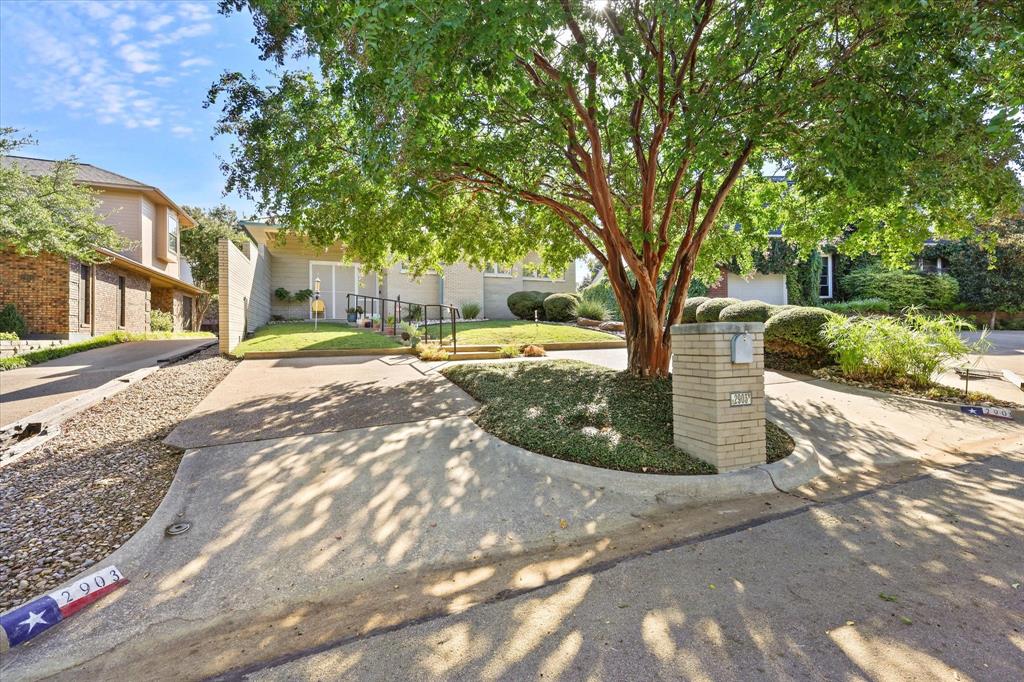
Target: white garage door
767,288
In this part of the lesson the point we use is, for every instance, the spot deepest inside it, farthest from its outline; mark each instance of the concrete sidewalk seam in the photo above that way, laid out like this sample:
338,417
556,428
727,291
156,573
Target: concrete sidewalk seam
240,673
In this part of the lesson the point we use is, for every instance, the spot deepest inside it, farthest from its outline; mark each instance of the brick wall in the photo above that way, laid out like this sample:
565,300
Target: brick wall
38,286
720,289
244,291
463,284
705,424
137,300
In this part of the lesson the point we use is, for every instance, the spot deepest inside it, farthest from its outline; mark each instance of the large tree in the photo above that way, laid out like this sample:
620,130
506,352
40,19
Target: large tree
199,246
636,130
50,213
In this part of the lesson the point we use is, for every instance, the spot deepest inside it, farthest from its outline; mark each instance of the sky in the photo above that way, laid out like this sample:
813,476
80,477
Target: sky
121,85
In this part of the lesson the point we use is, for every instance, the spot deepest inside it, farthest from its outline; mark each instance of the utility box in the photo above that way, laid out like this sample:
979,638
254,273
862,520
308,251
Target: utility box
718,393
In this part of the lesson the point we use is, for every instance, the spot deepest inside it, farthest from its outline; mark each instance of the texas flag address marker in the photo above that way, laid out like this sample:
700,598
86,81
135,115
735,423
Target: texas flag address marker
39,615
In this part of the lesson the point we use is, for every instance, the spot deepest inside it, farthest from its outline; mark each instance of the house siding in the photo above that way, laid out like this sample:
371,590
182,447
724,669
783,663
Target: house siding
463,284
425,290
124,212
244,291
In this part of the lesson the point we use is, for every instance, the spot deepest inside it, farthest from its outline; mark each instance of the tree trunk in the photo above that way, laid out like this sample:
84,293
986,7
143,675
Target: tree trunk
646,347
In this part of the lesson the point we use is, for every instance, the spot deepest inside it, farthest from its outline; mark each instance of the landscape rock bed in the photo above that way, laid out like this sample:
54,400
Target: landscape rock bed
76,498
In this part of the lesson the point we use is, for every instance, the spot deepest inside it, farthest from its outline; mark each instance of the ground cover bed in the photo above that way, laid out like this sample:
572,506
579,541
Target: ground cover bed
45,354
933,391
76,498
502,332
584,413
287,336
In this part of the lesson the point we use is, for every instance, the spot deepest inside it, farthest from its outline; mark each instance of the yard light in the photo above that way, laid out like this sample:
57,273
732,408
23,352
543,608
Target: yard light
316,285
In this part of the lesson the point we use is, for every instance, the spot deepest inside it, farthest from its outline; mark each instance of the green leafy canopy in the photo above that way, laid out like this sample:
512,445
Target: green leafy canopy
50,213
637,131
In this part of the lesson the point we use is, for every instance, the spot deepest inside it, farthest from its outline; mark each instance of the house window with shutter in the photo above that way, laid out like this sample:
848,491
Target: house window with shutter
121,303
84,294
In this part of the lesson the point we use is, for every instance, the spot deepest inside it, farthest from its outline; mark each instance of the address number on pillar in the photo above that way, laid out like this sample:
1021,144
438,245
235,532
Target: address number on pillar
740,399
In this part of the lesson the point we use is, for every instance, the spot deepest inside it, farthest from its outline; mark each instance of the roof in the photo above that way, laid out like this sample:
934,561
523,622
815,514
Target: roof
88,174
153,273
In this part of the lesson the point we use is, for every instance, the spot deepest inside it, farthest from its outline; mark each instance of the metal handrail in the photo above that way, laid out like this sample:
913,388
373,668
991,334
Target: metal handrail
453,314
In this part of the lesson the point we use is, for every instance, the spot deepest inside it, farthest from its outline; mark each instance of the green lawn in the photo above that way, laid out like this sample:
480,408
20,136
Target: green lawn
300,336
501,332
584,413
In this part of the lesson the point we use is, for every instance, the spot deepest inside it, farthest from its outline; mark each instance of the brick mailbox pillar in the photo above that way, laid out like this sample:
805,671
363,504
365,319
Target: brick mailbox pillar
718,392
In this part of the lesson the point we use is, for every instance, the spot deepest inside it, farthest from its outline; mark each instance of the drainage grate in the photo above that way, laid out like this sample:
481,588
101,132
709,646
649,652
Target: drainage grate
177,528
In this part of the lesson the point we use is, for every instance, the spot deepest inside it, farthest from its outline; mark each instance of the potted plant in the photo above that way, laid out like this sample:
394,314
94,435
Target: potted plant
353,314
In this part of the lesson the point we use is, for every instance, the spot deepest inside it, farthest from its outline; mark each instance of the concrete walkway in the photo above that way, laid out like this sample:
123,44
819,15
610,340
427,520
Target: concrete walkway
26,391
310,526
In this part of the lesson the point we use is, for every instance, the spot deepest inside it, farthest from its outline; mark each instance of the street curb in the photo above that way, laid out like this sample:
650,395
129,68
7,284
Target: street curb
1018,412
336,353
678,490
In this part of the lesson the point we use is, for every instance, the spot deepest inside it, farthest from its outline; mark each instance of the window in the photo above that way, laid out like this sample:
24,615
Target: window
931,264
172,232
121,290
825,283
532,271
84,294
496,270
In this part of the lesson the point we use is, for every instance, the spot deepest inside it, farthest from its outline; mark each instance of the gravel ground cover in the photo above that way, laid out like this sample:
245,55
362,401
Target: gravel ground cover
72,501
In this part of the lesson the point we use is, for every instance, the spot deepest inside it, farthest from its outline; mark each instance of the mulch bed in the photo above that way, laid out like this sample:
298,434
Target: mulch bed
76,498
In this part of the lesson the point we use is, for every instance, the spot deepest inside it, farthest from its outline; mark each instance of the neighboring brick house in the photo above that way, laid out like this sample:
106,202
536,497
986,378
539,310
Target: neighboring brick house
63,298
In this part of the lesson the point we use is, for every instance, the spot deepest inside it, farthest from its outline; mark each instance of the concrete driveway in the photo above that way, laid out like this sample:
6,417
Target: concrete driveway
263,399
312,528
26,391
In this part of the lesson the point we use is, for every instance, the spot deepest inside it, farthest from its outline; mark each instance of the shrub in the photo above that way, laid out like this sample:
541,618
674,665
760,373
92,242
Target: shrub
902,289
893,349
797,332
560,307
509,351
746,311
282,294
709,310
524,304
592,308
414,313
12,321
860,306
160,321
302,295
534,351
690,307
8,336
431,352
776,309
470,311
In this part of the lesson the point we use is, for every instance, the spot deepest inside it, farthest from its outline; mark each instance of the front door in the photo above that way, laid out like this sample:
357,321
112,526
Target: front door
336,282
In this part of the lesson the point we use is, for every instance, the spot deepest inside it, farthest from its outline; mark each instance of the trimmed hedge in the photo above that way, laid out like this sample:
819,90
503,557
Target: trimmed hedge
796,332
524,303
709,310
690,308
746,311
860,306
561,307
903,289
